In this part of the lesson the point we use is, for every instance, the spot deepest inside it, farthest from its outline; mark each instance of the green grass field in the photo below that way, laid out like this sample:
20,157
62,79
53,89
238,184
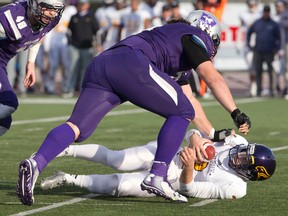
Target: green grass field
33,121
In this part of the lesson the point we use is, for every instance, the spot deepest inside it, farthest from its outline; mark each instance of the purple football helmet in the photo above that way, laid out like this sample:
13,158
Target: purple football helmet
254,162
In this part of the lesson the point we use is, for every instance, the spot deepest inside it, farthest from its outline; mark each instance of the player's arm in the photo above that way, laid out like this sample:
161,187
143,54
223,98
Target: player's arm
200,120
30,77
201,63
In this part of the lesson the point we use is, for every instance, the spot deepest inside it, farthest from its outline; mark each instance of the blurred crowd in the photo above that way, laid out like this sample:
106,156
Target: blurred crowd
83,33
266,46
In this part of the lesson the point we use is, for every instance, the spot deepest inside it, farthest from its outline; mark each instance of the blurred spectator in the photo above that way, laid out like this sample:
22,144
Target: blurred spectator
284,43
247,18
42,64
58,50
267,44
114,15
101,17
165,16
82,30
153,7
176,13
216,7
16,69
134,20
280,60
198,4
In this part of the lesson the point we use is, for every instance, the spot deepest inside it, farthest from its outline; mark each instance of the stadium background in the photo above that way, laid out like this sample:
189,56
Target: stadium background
36,116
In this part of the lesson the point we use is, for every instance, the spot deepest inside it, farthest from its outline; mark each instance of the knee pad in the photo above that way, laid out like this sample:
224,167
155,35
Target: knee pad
8,103
6,110
5,124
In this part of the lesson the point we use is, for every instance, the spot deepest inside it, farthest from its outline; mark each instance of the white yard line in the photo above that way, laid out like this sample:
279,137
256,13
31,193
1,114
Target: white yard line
204,202
113,113
56,205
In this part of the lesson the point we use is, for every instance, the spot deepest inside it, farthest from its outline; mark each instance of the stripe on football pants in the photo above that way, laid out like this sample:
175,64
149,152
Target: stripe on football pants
164,85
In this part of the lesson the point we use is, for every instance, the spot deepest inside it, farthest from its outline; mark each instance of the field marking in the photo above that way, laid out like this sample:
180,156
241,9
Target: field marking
73,101
112,113
203,202
274,133
64,118
279,148
56,205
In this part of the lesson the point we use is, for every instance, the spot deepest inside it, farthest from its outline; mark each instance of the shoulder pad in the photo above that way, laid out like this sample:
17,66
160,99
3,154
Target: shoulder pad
199,41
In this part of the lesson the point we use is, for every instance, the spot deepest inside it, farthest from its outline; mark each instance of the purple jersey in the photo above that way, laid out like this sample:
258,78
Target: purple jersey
163,46
19,35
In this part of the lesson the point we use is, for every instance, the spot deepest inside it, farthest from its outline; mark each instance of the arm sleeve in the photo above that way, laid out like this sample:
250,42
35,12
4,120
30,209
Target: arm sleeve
194,52
32,52
210,190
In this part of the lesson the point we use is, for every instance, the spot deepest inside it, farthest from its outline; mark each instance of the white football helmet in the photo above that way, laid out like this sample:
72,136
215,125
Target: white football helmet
208,23
37,8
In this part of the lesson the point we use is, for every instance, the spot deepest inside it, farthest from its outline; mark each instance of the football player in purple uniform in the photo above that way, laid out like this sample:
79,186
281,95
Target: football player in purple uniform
139,69
22,26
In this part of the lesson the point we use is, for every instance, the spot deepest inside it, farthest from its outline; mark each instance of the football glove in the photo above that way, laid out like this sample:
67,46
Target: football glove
240,118
219,135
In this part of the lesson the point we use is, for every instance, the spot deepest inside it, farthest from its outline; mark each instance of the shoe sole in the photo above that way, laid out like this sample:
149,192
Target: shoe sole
157,192
23,187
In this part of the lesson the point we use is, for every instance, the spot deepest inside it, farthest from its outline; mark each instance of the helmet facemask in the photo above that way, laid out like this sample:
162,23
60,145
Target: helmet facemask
38,8
254,162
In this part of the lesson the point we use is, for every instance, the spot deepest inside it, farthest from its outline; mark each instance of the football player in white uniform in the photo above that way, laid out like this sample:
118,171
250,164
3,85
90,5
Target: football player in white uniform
224,177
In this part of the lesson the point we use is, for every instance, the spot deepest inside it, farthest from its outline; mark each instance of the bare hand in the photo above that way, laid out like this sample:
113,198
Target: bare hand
30,77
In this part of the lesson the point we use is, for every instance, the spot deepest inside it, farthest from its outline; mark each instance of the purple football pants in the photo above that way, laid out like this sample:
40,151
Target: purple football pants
120,75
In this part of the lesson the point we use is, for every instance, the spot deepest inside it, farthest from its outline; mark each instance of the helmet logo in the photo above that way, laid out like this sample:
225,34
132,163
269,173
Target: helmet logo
206,23
262,172
200,166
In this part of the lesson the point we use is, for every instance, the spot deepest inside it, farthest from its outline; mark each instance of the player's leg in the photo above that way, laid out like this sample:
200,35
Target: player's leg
8,102
120,185
134,158
157,92
54,62
269,60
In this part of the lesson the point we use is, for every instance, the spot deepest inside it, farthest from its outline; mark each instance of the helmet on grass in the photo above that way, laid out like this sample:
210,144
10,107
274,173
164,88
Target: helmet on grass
254,162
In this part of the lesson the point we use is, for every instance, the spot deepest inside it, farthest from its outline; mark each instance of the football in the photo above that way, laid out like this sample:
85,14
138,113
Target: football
210,150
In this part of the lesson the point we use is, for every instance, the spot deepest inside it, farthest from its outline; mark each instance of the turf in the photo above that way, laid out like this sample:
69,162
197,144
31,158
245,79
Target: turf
269,126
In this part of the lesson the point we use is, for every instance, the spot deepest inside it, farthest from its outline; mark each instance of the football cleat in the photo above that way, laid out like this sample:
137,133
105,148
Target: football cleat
161,187
28,174
56,180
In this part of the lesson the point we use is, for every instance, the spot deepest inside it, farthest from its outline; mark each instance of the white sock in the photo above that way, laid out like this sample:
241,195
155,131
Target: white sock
101,184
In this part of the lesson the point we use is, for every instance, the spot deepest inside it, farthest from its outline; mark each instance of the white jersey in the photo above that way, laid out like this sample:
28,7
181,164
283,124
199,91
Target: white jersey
153,11
58,35
210,180
133,22
114,20
247,19
215,180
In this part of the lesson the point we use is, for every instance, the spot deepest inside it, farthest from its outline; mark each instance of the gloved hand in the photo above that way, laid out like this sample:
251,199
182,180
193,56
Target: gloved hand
219,135
240,118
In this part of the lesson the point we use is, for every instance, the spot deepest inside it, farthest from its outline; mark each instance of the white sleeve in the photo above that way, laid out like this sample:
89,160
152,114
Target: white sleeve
210,190
190,133
32,52
2,32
